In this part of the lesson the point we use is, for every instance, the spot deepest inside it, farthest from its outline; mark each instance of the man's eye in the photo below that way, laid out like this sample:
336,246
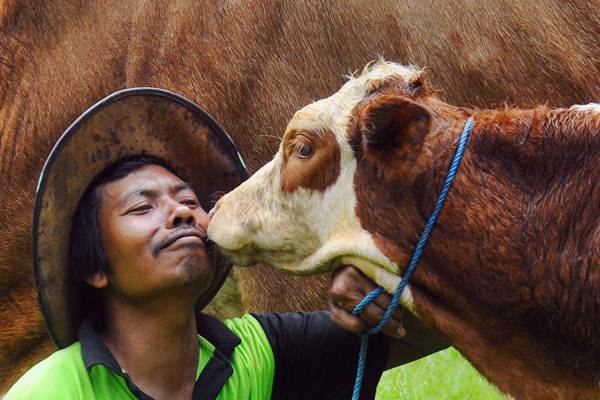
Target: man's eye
189,202
141,208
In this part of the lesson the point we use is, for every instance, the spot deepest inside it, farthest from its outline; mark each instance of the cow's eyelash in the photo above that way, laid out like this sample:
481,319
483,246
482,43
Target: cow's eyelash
297,146
300,140
295,143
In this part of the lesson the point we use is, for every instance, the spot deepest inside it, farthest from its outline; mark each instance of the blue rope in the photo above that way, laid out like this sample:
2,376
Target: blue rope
364,337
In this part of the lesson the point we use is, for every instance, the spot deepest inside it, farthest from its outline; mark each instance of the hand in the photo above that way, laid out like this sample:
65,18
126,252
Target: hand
348,287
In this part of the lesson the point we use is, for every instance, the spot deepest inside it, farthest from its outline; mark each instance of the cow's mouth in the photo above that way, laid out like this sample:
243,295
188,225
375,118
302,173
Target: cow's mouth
240,258
252,254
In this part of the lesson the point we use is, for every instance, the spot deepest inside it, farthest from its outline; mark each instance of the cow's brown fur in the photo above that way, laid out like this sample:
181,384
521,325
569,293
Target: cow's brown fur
511,274
251,64
316,172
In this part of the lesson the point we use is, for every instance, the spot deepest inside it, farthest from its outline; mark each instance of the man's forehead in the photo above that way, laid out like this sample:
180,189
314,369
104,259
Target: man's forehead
146,181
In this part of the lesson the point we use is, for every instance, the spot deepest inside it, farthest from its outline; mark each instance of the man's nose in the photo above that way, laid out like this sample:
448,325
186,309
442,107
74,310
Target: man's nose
181,215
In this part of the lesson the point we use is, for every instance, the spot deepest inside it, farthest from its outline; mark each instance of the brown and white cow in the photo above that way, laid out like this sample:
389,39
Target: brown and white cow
511,274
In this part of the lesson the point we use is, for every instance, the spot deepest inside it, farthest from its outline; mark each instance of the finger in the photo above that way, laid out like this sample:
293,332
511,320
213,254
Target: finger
350,286
344,297
373,314
367,284
397,329
383,301
346,320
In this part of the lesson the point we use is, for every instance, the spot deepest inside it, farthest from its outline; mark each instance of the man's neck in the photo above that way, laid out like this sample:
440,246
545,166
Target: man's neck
156,346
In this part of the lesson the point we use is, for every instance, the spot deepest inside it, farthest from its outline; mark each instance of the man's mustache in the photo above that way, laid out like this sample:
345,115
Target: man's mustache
184,231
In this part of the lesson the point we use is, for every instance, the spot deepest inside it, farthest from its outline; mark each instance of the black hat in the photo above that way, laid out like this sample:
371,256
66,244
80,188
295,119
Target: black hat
138,121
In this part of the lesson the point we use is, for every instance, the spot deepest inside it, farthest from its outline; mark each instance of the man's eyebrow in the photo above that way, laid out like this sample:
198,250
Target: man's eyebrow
150,193
181,186
136,193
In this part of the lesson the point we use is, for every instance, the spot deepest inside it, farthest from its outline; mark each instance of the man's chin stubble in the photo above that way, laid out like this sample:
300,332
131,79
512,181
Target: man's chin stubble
195,268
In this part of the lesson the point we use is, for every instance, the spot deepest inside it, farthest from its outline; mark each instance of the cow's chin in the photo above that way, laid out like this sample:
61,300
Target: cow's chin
240,259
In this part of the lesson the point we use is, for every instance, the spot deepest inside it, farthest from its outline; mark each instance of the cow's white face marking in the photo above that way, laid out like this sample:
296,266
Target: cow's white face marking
308,231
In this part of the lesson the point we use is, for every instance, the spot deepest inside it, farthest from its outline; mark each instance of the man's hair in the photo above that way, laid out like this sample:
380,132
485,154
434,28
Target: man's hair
86,253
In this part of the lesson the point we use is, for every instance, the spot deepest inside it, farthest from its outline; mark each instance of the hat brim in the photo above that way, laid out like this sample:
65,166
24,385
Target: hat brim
137,121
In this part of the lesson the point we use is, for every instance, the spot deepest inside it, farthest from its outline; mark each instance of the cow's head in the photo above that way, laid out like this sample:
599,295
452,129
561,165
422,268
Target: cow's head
299,213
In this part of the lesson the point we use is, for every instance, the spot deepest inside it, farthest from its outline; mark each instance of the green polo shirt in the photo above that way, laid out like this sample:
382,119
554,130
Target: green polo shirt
292,356
87,370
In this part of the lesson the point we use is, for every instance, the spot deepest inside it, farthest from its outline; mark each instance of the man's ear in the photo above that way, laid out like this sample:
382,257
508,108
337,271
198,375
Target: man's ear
392,122
99,280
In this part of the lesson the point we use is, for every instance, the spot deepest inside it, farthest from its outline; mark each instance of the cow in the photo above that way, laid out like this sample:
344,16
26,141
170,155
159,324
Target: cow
250,64
511,273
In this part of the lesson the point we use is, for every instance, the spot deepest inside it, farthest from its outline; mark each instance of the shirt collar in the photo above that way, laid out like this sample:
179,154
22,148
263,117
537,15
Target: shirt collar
94,351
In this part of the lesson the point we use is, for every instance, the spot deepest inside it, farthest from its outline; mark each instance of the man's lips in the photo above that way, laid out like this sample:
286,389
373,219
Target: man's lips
188,233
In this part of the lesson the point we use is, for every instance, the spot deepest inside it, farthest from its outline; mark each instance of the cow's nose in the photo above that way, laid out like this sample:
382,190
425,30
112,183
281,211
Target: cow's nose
212,212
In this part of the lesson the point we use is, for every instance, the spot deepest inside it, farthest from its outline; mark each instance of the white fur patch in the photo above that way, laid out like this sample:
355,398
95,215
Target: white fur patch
591,107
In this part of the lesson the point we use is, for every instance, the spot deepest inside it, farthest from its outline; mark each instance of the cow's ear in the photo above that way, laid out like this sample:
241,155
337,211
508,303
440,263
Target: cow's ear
393,122
391,132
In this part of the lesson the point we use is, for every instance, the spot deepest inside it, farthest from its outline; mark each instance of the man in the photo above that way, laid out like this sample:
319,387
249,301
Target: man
122,265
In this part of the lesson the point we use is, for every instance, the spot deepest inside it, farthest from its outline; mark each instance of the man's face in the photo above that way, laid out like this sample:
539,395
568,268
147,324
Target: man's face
152,226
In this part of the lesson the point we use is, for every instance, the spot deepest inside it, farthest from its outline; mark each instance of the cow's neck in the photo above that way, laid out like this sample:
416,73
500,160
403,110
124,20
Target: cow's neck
482,280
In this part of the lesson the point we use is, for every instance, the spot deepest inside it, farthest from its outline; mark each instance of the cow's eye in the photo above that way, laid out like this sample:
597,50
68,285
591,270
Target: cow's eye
304,150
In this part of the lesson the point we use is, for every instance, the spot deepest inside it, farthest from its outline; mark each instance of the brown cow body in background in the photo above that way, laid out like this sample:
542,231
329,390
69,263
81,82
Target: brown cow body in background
251,64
